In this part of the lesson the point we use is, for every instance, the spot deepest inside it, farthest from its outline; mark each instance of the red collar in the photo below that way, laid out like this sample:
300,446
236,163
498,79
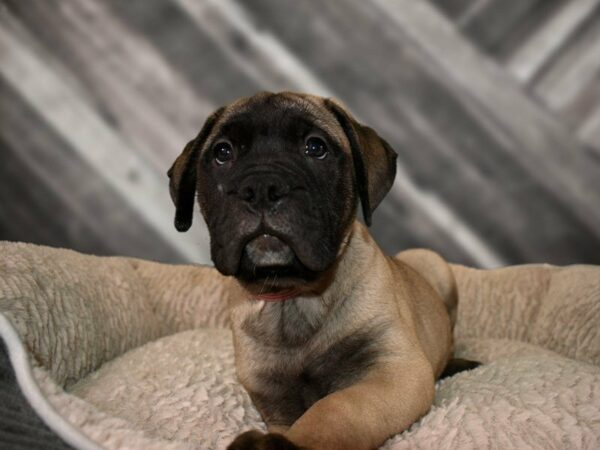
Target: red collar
277,297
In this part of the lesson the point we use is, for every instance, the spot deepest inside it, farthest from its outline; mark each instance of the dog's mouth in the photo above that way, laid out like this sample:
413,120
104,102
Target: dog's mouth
270,264
268,251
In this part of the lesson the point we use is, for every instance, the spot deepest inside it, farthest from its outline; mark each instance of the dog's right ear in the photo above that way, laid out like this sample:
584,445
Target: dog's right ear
182,175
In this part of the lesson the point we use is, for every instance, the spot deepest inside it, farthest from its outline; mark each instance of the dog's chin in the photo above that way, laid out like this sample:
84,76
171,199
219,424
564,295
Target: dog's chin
270,265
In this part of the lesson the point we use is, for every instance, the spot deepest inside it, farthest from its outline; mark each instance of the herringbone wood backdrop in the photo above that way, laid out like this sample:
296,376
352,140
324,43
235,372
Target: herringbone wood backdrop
492,105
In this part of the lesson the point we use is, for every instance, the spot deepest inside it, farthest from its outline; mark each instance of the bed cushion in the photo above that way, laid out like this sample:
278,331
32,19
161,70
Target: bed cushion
123,353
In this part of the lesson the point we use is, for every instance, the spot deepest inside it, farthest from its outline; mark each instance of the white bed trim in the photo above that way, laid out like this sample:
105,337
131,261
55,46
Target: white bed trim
24,374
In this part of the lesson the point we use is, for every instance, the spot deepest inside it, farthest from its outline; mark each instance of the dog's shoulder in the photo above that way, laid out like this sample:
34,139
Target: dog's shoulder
436,271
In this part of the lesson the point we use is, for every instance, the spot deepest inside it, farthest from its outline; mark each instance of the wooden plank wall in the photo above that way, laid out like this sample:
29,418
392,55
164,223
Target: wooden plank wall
499,155
552,47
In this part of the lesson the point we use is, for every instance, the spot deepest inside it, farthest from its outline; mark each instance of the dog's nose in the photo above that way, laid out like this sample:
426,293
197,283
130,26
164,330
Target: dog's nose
262,191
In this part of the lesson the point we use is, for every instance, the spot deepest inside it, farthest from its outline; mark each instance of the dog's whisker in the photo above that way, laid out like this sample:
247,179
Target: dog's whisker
274,281
262,289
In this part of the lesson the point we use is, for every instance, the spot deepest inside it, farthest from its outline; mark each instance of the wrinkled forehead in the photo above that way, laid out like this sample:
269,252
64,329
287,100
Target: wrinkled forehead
282,114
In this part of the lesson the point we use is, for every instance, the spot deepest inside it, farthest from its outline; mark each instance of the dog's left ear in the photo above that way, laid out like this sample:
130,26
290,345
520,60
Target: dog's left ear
182,175
374,159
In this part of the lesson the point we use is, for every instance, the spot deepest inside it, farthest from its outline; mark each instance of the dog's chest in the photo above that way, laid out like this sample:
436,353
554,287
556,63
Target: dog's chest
287,383
288,324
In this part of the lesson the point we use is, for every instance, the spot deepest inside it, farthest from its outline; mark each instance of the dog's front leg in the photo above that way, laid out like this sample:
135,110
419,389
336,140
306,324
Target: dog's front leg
387,401
364,415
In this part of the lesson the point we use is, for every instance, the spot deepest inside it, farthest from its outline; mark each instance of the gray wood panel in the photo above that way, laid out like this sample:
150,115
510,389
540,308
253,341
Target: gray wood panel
492,22
455,9
56,94
450,149
550,46
569,84
189,51
48,195
129,82
487,175
545,35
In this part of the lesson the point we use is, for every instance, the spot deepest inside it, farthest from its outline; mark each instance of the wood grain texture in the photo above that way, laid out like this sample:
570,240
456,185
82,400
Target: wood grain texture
455,142
548,33
549,46
491,171
490,22
50,196
52,91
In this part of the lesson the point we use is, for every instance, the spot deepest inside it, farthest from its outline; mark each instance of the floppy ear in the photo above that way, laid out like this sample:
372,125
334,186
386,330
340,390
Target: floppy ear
374,160
182,175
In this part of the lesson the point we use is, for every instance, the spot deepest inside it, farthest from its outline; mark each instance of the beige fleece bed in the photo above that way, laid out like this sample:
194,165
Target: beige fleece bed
124,353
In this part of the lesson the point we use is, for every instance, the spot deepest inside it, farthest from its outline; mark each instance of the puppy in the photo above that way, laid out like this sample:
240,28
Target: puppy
338,345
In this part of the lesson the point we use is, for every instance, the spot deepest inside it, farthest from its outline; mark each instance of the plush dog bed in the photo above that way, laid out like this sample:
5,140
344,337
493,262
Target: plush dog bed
124,353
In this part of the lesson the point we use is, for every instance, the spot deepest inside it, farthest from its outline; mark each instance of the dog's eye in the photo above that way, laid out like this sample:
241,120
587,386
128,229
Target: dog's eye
315,148
222,152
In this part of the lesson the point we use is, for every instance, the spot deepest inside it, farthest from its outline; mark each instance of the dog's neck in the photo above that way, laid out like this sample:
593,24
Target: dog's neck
293,321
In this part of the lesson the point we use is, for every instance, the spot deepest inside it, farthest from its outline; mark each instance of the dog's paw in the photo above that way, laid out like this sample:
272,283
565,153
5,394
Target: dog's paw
255,440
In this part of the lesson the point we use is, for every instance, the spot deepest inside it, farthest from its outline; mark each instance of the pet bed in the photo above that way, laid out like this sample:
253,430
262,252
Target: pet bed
110,352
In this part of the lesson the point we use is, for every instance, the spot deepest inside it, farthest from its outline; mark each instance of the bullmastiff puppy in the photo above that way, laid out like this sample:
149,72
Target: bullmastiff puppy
338,345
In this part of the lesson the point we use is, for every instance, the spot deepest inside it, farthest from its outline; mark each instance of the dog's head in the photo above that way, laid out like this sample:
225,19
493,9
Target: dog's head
278,178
